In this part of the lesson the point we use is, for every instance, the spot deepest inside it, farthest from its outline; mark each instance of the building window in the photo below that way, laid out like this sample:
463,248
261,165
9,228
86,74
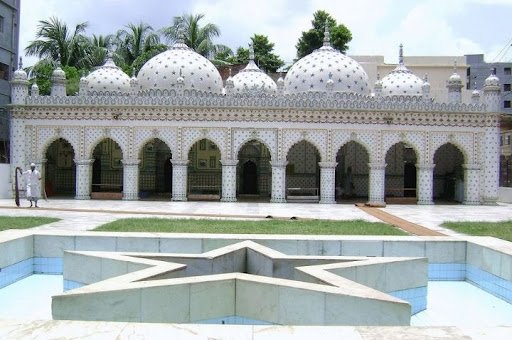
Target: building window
506,87
508,140
4,71
507,71
506,104
494,70
1,24
501,141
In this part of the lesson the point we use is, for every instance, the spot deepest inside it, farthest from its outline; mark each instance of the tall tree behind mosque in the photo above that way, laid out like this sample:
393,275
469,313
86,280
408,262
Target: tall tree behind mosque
132,42
313,38
197,37
263,54
57,44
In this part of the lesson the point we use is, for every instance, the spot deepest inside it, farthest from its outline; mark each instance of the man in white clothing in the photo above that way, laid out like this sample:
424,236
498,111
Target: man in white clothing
33,184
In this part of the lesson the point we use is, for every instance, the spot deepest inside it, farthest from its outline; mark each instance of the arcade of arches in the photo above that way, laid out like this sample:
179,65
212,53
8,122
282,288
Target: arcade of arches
253,173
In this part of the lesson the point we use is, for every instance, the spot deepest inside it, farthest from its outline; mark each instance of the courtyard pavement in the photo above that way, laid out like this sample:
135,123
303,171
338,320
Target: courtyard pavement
88,214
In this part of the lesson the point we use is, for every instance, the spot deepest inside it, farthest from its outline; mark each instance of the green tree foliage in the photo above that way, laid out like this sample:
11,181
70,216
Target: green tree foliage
55,43
97,49
313,39
42,74
132,41
197,37
263,54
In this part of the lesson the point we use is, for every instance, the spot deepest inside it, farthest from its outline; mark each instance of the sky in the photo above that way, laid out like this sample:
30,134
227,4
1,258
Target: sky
424,27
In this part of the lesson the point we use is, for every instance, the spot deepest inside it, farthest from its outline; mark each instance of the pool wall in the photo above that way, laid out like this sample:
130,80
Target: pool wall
484,261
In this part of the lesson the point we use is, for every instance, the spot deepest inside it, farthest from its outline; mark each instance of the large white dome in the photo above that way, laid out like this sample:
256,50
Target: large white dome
251,79
108,78
163,70
312,72
401,81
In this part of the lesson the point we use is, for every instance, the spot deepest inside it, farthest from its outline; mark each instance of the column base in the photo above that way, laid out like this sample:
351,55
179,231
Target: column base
327,201
130,197
228,199
83,197
471,203
278,200
490,201
425,202
179,199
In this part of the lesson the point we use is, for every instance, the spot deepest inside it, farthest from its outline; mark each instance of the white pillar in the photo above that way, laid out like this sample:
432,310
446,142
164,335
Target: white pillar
471,184
179,179
377,184
425,183
83,179
327,188
131,179
490,161
228,180
278,181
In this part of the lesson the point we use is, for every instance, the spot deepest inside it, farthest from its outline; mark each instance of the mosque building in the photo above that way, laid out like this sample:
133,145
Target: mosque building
321,134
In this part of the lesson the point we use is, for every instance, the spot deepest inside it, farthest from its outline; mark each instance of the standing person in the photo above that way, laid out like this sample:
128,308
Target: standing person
33,184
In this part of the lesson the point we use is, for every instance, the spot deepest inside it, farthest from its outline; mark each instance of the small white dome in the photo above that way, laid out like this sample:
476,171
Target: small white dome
58,74
492,80
401,81
108,78
162,71
312,72
20,73
252,79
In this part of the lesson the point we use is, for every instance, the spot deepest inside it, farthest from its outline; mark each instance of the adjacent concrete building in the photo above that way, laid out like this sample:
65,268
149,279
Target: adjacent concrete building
478,70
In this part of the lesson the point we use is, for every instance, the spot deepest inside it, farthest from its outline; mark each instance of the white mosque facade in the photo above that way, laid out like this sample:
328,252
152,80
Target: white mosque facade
176,131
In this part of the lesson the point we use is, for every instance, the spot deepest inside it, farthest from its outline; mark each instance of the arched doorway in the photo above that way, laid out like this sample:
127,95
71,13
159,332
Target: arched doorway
107,170
204,171
448,174
254,173
60,169
351,181
155,170
303,173
400,183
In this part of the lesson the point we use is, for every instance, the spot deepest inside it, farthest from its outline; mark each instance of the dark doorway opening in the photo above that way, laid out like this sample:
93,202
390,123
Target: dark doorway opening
250,178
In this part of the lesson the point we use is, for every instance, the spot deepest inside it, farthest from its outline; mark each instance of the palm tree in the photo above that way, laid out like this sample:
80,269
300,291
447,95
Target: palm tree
98,47
133,41
198,38
54,43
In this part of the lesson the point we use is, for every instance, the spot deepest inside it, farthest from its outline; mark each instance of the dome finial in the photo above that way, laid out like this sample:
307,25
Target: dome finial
327,36
455,66
401,55
425,78
378,76
251,52
180,34
229,72
20,65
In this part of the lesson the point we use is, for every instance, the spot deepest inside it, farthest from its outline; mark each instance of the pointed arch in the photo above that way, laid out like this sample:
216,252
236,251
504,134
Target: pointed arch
449,179
352,172
254,171
107,168
60,169
400,174
155,169
204,170
303,171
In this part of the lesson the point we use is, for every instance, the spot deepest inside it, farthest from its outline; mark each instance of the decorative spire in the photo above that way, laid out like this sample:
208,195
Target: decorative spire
229,69
251,52
180,34
20,65
378,76
401,55
493,71
327,36
425,78
455,66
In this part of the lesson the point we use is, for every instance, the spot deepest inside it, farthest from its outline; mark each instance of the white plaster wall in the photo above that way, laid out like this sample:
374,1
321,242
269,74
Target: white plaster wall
505,195
5,181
